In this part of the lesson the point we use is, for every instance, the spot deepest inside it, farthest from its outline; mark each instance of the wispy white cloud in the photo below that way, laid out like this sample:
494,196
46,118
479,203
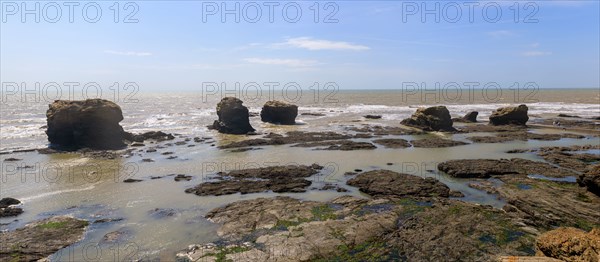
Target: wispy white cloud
128,53
536,53
535,45
282,62
320,44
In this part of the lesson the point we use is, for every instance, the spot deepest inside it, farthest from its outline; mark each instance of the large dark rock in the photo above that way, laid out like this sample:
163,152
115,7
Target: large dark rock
435,118
278,112
510,116
233,117
390,183
8,201
92,123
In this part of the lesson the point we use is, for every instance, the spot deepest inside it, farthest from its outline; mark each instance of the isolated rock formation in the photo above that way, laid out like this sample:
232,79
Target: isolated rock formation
278,112
233,117
510,116
92,123
435,118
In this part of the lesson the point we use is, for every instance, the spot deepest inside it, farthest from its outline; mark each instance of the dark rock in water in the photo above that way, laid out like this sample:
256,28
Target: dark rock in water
181,177
107,220
569,116
392,142
470,117
12,159
436,143
278,112
390,183
372,116
233,117
435,118
510,116
92,123
160,213
454,193
294,137
329,186
312,114
343,145
275,178
147,160
41,238
131,180
152,135
253,114
591,179
8,201
10,211
119,236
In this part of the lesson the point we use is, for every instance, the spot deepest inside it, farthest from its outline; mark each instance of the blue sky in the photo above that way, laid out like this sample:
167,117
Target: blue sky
369,47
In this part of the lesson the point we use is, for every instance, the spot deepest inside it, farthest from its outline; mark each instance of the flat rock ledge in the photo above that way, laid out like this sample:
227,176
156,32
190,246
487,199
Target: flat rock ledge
41,239
279,179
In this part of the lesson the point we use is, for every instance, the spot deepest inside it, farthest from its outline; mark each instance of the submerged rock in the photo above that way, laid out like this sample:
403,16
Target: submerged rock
278,112
92,123
40,239
233,117
343,145
510,116
390,183
570,244
435,118
372,116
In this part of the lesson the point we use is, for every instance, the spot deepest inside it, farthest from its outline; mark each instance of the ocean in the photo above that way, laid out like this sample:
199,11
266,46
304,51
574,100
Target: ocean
22,122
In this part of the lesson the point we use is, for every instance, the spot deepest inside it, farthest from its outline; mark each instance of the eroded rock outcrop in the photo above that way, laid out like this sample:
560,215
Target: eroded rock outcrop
233,117
278,112
510,116
91,123
435,118
570,244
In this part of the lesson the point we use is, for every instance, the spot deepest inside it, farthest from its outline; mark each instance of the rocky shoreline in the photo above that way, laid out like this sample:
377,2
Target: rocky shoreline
401,217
